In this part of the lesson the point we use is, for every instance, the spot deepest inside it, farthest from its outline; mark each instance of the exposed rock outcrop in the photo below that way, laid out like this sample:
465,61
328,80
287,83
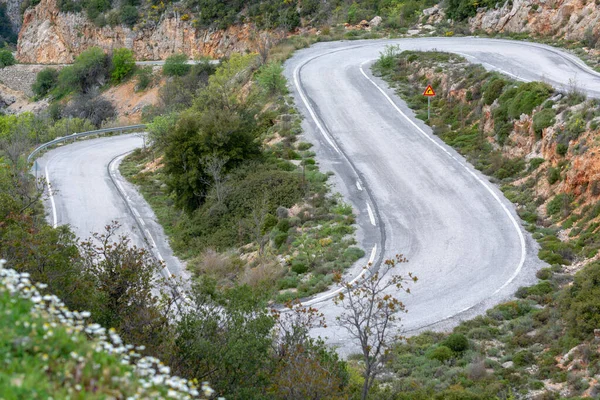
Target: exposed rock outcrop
566,19
50,36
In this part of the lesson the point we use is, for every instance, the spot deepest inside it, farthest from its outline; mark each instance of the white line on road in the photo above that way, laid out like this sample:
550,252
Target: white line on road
486,186
371,215
328,296
51,195
359,186
311,111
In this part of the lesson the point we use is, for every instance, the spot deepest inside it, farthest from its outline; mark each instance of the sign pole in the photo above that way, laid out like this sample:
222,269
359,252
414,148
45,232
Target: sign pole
429,93
428,107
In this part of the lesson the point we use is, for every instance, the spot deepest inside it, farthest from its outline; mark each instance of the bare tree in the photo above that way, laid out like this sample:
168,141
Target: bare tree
263,41
257,223
214,165
370,313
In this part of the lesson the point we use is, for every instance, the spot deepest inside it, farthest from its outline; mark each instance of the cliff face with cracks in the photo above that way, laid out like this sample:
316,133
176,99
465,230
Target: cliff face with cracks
49,36
565,19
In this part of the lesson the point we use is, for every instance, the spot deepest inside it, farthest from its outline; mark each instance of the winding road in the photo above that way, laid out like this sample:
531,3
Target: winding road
412,193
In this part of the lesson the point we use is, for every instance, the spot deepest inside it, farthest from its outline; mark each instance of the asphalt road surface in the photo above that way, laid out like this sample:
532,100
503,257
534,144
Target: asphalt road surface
412,193
88,193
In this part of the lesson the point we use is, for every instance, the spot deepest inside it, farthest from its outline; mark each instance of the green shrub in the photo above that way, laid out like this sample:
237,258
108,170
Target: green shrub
129,15
562,149
90,69
95,7
299,267
510,310
544,273
123,64
45,81
441,353
523,358
493,90
6,58
144,78
176,65
559,203
527,97
270,77
534,163
456,342
543,119
580,302
553,175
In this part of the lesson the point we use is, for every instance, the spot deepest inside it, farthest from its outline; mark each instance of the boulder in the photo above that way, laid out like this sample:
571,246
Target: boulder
375,21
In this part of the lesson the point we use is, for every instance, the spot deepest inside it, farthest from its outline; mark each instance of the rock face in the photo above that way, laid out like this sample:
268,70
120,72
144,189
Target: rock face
566,19
49,36
13,10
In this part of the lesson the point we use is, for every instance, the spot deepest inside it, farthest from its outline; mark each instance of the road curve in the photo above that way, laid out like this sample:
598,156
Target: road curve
88,193
413,194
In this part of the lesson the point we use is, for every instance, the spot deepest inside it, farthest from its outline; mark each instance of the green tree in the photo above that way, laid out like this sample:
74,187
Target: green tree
176,65
45,81
129,15
123,64
225,338
271,78
6,58
90,70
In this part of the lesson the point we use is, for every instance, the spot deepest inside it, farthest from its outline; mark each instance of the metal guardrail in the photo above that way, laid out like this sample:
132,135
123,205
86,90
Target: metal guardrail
83,134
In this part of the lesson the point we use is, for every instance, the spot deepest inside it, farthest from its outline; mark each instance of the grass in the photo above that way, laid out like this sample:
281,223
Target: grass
48,351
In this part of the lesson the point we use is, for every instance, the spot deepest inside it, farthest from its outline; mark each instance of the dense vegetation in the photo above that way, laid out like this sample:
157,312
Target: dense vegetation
517,348
234,189
7,35
265,14
237,348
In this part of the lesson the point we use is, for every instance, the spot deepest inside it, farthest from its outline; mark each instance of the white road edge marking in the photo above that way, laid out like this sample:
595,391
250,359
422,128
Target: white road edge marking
311,111
486,186
352,282
51,195
371,215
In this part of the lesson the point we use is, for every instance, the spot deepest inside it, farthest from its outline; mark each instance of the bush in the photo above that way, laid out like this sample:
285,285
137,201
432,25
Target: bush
91,107
129,15
456,342
123,64
580,302
144,78
562,149
45,81
493,90
560,202
270,77
509,310
176,65
543,119
89,71
523,358
553,175
6,58
441,353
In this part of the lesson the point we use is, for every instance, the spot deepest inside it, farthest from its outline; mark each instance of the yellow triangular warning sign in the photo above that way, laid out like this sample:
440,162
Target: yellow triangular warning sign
429,91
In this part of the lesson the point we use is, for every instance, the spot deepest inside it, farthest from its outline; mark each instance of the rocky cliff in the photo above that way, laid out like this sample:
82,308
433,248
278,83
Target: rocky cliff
565,19
49,36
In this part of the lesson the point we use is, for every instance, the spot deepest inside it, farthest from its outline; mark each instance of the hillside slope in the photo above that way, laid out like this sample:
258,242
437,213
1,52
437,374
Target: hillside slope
48,350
